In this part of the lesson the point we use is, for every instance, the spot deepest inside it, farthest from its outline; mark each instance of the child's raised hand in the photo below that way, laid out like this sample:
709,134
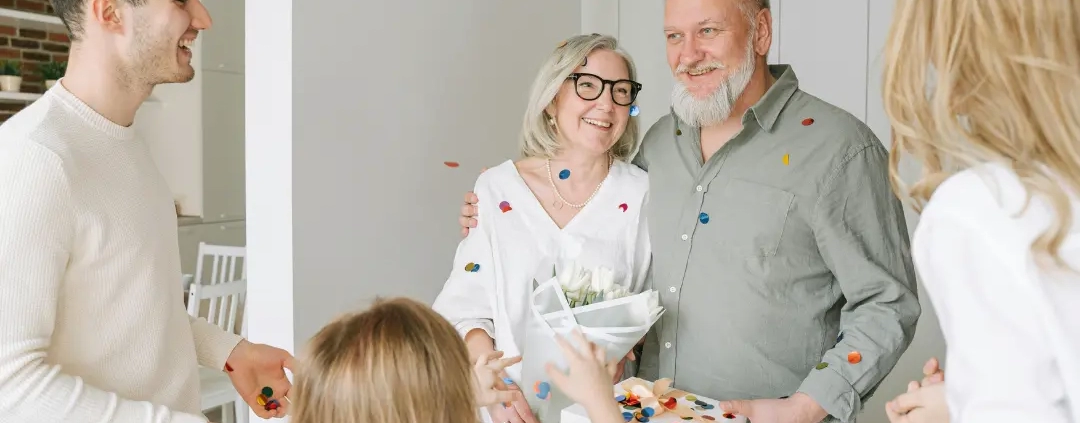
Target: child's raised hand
489,390
589,380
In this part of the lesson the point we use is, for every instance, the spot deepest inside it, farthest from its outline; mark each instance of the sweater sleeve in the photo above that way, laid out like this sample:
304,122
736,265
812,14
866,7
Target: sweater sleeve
36,239
213,345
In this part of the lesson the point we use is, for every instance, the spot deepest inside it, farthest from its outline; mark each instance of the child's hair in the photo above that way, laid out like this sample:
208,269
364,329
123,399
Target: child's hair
399,361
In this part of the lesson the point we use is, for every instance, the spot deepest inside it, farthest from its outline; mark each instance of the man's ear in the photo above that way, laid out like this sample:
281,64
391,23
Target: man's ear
107,14
763,37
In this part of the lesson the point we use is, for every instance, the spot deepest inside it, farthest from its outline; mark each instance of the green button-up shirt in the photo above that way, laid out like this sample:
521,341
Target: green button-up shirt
785,252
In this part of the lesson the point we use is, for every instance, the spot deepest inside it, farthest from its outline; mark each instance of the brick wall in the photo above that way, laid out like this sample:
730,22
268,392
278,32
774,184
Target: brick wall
32,47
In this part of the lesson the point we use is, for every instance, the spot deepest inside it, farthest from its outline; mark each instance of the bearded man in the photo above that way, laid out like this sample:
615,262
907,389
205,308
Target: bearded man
780,252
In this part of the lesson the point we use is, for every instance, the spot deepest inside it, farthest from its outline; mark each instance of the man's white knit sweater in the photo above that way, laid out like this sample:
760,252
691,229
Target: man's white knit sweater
92,323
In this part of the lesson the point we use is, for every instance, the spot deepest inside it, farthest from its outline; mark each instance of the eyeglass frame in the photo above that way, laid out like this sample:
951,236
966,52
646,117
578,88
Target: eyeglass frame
634,85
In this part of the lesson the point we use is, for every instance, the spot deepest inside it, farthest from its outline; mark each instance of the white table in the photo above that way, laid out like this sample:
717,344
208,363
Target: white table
576,413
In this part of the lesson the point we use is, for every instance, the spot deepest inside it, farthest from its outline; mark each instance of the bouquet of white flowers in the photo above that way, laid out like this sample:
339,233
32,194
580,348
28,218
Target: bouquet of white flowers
585,299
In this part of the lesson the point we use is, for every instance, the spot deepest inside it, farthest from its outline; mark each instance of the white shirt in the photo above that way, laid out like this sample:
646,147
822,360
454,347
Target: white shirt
1012,328
92,321
517,246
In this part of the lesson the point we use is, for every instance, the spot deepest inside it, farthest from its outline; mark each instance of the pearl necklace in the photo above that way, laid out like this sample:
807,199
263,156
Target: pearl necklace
547,165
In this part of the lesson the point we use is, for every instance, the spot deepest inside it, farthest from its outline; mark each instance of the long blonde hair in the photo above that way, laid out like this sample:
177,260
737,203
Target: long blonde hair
398,362
1006,89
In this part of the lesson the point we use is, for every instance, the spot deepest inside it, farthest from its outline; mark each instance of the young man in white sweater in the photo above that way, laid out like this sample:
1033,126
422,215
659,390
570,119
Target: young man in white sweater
92,323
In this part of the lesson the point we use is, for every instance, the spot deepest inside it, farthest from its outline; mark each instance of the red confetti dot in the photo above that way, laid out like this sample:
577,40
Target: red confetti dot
707,417
670,403
228,368
505,206
854,357
623,207
451,164
729,416
808,121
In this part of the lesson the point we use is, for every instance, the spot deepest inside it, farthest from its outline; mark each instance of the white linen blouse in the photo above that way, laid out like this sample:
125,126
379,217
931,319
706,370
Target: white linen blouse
515,245
1011,326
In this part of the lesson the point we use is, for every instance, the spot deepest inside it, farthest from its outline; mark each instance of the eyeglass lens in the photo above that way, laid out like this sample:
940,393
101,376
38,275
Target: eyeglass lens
589,87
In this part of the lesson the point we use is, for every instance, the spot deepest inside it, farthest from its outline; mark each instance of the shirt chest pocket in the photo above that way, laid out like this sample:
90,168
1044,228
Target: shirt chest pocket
743,218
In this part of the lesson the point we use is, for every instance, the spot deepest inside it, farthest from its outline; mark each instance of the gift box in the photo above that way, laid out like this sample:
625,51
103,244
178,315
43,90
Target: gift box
643,401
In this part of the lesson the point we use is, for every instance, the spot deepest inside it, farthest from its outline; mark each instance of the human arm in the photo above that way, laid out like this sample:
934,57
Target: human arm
861,233
586,379
999,352
213,345
37,227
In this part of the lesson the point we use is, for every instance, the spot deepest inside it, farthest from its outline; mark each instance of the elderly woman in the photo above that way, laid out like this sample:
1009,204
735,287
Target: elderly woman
572,190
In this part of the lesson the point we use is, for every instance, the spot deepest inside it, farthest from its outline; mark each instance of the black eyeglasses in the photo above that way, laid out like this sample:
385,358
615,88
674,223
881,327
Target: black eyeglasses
589,87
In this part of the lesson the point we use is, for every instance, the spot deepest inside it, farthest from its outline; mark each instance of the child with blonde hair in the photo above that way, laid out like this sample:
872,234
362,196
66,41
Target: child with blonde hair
401,362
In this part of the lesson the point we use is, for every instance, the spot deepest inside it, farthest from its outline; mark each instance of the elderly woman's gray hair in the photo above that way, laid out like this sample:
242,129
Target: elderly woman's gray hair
538,136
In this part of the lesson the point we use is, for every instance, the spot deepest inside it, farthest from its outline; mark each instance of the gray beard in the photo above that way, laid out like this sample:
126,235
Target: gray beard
716,107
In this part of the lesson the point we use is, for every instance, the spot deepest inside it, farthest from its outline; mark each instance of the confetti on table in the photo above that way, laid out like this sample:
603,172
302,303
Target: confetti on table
707,417
703,218
854,357
691,398
821,365
627,416
563,174
729,416
787,159
505,206
623,207
808,121
451,164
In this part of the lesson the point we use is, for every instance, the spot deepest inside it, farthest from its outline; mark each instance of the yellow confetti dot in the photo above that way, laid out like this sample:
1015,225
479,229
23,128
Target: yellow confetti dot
787,159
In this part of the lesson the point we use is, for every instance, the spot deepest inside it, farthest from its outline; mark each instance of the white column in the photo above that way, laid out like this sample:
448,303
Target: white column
268,120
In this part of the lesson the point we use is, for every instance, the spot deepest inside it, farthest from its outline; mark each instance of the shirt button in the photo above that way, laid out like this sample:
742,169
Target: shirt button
699,188
685,237
667,345
672,289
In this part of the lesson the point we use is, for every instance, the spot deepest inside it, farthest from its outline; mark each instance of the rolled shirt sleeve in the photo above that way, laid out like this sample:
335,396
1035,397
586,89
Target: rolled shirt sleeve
858,224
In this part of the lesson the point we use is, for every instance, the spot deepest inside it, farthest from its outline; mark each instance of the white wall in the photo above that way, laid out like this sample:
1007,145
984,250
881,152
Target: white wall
835,49
352,108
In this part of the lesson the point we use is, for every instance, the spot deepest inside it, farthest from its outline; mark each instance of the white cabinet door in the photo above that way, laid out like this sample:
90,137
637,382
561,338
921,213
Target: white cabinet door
223,146
223,47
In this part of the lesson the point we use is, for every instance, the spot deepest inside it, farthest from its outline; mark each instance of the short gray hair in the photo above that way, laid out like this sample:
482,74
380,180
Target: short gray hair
538,137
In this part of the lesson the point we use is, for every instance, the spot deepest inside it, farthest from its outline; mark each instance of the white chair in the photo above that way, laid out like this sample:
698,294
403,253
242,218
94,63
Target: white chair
228,263
215,387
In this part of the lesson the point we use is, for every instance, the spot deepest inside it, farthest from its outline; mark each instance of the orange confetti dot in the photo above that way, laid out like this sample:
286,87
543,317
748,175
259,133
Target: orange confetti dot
451,164
808,121
787,159
854,357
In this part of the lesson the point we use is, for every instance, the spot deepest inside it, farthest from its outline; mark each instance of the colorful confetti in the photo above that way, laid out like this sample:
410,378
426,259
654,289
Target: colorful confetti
268,391
508,381
787,159
691,398
472,267
808,121
451,164
635,110
272,405
627,416
729,416
678,132
822,365
563,174
623,207
261,399
854,357
670,403
228,368
505,206
708,417
703,218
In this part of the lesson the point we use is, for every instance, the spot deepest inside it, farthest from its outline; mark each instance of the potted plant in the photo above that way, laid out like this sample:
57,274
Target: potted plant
11,76
52,71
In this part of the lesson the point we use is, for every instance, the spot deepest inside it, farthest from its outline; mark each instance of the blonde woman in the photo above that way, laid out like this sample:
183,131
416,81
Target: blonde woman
996,128
398,362
572,197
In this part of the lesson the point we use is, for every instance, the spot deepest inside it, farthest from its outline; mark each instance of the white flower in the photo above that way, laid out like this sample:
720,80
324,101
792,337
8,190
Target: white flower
603,279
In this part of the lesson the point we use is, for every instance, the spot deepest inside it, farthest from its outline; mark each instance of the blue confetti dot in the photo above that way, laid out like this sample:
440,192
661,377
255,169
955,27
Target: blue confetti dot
635,110
565,173
620,398
647,411
626,415
508,381
703,218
